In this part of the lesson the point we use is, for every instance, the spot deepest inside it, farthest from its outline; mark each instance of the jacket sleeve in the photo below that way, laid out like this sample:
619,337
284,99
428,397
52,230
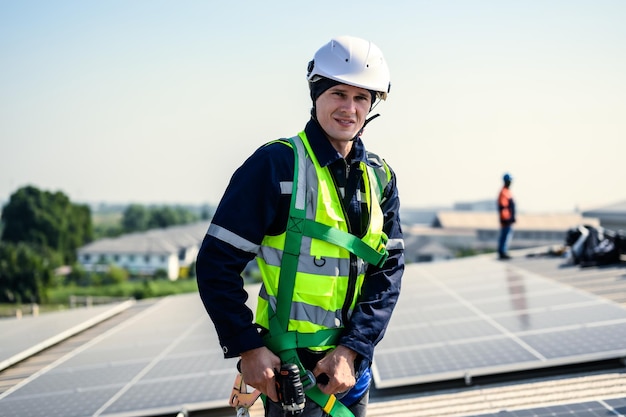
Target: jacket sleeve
244,215
381,287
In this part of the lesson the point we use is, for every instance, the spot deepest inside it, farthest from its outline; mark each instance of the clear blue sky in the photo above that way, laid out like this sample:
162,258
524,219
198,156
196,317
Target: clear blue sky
153,101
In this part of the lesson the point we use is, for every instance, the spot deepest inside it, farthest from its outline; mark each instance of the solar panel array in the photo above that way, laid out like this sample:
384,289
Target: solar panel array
157,362
602,408
454,320
458,320
31,334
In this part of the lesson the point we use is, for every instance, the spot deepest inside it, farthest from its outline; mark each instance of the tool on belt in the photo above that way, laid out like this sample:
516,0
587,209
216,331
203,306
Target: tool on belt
289,387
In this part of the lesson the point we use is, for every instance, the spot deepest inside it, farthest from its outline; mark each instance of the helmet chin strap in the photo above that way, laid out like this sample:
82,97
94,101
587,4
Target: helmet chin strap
369,119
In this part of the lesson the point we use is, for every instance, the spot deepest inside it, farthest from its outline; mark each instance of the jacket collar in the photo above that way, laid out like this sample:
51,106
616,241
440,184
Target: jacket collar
323,149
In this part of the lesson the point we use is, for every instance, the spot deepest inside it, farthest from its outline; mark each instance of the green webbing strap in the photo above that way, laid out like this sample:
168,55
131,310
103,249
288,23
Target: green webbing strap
346,241
281,341
286,280
293,340
329,403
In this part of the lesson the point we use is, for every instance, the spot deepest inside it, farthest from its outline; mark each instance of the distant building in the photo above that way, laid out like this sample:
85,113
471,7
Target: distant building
172,249
611,217
484,205
457,230
418,215
432,251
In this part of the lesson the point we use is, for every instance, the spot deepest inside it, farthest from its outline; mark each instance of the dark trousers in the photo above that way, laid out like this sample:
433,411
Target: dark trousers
506,232
359,409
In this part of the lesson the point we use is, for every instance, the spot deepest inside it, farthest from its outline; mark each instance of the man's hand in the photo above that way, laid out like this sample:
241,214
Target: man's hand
257,369
338,365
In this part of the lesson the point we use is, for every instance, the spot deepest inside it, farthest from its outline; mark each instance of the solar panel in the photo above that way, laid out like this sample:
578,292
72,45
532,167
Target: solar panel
161,360
476,316
454,320
602,408
29,335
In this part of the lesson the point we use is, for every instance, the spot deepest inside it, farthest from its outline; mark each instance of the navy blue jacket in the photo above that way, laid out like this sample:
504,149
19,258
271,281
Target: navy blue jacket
252,207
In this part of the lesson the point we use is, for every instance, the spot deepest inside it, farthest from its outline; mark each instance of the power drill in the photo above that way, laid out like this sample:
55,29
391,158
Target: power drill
291,390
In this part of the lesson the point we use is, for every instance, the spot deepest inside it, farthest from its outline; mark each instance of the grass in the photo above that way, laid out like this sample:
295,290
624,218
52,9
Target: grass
59,298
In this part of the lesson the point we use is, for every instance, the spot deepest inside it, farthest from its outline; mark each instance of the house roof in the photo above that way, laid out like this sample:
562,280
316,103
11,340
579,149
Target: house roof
617,208
613,215
156,241
464,220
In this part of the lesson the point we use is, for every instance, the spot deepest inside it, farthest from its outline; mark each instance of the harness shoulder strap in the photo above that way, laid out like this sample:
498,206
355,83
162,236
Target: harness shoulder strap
280,340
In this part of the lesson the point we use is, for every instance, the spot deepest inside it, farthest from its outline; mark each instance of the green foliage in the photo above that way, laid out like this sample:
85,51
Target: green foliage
465,252
115,275
205,212
136,218
47,220
115,220
139,218
138,289
107,221
110,275
78,276
26,271
160,274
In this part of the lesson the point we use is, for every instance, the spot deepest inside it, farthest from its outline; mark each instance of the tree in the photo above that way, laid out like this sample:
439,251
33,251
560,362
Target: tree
135,218
205,212
138,218
47,220
162,217
25,272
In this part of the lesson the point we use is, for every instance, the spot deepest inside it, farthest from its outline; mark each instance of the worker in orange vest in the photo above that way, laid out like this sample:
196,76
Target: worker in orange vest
506,208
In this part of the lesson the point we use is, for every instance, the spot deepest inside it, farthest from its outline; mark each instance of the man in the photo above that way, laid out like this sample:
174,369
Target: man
321,215
506,208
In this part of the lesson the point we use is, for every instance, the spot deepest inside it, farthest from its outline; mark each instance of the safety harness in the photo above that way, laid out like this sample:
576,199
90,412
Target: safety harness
279,339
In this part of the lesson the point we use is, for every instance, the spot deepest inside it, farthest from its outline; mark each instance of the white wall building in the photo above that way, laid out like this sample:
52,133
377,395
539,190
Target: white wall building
172,249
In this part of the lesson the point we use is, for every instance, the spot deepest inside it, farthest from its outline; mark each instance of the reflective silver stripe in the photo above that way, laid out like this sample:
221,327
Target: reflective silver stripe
285,187
325,266
301,189
306,312
395,244
314,314
271,256
232,238
312,191
265,296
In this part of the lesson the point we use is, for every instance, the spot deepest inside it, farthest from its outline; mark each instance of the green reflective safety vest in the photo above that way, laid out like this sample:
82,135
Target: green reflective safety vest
325,253
313,272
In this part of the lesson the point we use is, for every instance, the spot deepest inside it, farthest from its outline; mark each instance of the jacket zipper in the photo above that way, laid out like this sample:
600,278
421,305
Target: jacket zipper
353,272
345,310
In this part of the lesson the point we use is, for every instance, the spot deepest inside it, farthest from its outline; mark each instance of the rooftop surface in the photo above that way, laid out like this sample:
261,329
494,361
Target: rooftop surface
528,337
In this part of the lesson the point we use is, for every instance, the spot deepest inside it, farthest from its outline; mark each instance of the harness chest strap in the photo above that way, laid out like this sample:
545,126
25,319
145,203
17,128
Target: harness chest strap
279,339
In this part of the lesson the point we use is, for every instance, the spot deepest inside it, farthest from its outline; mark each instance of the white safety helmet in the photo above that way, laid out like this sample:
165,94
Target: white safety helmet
352,61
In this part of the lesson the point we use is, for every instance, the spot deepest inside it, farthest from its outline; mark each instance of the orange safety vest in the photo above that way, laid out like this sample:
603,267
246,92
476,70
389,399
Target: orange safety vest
504,200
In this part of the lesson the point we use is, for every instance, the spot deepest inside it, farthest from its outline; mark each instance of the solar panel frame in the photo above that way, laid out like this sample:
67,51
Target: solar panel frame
31,334
476,317
599,408
481,319
135,368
